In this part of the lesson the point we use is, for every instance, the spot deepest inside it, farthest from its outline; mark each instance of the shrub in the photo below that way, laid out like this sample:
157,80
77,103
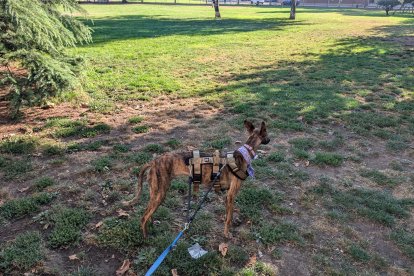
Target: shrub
35,39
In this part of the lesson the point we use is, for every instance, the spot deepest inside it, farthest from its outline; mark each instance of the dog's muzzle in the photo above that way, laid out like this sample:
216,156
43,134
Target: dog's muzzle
265,141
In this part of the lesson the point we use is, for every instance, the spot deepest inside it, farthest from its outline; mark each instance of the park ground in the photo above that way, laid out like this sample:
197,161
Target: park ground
333,193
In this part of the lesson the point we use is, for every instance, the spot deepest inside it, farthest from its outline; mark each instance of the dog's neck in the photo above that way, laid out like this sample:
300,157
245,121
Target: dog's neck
253,142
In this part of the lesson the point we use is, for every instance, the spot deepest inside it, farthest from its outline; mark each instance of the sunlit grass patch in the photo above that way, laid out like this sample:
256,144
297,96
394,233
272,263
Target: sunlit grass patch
23,253
64,128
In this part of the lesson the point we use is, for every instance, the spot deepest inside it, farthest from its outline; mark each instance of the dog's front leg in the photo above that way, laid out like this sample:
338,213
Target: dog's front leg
231,195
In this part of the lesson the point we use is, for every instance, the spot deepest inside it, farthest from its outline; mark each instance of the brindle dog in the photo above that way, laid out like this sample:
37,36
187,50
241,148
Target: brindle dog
164,168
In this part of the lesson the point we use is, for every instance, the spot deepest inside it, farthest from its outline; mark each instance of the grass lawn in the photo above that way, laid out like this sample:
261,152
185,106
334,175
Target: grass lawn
333,193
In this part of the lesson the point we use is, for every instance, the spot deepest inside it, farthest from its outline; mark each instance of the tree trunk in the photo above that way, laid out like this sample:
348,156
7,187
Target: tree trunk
216,8
292,9
386,11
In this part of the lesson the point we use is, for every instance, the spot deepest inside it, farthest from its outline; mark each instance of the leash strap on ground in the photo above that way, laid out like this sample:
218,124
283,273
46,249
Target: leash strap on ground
164,254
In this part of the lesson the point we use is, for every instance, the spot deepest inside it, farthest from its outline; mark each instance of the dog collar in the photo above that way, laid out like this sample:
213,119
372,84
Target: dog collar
251,151
247,155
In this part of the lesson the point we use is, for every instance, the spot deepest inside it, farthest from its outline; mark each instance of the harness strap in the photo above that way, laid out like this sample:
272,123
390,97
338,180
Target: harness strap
231,162
197,170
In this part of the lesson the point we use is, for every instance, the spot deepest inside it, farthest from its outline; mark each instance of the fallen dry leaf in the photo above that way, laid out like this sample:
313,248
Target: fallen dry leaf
124,268
122,213
307,163
223,247
73,257
174,272
23,189
252,260
99,224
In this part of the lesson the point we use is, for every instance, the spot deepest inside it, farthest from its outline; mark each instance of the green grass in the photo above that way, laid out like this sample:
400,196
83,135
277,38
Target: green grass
276,157
358,253
337,78
405,241
20,207
90,146
302,143
43,182
275,233
154,148
140,129
124,235
64,128
332,74
102,164
67,225
24,252
14,168
19,144
135,120
379,177
378,206
327,158
252,200
219,143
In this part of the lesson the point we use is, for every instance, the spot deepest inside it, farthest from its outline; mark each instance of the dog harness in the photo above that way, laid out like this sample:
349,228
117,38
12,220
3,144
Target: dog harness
196,165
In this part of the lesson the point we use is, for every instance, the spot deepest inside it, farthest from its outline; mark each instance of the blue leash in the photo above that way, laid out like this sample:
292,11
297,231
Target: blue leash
164,254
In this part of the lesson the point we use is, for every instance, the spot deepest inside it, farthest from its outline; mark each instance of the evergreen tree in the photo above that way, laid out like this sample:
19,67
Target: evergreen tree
33,38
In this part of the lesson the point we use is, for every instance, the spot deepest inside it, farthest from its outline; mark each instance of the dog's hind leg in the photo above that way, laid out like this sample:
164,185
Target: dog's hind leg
231,194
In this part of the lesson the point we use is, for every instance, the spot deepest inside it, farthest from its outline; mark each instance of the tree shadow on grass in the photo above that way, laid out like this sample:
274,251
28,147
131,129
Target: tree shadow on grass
370,75
138,26
342,11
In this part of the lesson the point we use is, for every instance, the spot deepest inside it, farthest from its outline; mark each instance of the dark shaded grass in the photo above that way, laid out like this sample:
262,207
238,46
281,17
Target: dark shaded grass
24,252
377,206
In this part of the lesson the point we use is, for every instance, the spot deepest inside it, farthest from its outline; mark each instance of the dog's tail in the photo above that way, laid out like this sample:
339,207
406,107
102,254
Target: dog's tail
139,186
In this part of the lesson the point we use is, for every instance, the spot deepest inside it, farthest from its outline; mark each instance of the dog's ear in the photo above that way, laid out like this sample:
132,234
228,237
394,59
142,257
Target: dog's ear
262,129
249,126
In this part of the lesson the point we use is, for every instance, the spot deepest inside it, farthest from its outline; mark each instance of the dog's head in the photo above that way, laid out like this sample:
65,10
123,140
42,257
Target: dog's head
257,136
